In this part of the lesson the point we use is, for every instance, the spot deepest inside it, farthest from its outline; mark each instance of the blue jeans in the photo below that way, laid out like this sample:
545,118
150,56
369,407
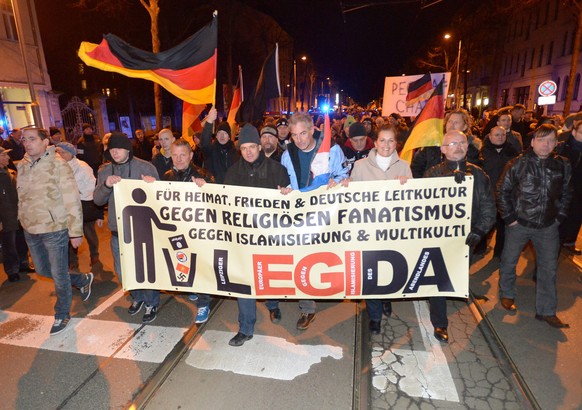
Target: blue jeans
247,314
150,297
307,306
50,255
546,242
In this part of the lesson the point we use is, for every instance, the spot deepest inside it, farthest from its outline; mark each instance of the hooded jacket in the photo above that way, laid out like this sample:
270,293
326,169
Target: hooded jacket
533,191
133,168
48,198
8,200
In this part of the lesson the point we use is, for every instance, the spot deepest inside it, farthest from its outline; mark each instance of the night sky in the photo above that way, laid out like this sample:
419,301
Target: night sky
357,49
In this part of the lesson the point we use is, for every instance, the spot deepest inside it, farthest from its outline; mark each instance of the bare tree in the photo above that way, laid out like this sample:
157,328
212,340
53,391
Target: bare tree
112,7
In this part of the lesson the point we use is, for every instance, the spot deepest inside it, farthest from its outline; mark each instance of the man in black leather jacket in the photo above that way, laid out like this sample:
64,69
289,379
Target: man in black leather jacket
533,196
455,147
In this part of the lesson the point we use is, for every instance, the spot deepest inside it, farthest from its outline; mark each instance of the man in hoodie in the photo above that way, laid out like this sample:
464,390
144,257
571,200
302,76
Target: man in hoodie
124,166
50,213
454,148
221,153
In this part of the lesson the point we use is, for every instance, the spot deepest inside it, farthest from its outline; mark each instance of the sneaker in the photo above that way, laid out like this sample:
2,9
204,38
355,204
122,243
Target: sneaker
305,320
203,312
86,289
59,325
239,339
151,312
193,297
135,307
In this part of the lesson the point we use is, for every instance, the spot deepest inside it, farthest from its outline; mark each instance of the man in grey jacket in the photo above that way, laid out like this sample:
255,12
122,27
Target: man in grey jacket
123,165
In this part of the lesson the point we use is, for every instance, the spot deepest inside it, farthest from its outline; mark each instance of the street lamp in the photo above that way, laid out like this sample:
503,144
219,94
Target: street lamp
447,36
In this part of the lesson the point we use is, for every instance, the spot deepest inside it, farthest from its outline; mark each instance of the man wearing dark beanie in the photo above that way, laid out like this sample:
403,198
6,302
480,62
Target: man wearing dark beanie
254,169
221,153
358,144
124,166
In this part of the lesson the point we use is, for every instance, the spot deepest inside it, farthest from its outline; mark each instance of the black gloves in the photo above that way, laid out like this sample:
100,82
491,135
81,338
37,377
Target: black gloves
472,239
459,176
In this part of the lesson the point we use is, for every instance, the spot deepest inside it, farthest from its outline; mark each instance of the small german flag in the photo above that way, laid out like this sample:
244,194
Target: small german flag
187,70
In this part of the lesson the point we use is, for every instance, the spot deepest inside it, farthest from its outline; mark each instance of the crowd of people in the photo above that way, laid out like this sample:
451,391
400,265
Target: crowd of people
527,188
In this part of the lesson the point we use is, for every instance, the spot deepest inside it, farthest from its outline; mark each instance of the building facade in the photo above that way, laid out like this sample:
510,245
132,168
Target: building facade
16,110
537,46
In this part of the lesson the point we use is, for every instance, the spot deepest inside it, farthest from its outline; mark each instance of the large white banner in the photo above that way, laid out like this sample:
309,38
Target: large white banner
396,89
369,240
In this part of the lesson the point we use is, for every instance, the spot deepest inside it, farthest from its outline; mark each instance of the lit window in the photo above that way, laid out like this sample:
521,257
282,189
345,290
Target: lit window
8,19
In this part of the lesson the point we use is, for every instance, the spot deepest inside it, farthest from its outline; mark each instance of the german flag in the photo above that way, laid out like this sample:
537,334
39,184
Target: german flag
187,70
419,90
428,127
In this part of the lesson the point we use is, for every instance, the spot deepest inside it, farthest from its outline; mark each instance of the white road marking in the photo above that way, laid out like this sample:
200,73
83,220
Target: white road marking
91,337
107,303
263,356
417,373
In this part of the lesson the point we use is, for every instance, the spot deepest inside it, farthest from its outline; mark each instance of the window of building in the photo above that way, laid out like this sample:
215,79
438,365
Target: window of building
550,52
528,26
8,20
521,94
541,56
572,42
558,88
524,62
537,17
556,9
576,88
531,61
510,64
565,89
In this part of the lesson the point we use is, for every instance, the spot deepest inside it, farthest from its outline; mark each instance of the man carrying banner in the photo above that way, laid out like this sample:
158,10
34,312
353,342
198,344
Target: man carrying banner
254,169
455,147
310,167
184,170
533,196
123,165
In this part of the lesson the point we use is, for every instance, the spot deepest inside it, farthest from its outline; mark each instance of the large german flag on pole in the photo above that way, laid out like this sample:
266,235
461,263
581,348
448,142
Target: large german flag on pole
428,127
187,70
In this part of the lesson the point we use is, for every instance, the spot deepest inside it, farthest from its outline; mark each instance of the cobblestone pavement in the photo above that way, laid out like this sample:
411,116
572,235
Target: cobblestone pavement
412,370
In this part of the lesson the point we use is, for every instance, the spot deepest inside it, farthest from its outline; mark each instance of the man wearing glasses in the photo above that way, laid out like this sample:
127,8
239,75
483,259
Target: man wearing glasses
454,148
533,196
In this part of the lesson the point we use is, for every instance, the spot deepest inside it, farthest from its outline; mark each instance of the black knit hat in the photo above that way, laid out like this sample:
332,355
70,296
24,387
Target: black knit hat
357,130
119,140
224,126
247,134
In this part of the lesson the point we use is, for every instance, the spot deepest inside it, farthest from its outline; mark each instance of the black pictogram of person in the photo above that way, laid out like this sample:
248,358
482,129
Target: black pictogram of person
137,224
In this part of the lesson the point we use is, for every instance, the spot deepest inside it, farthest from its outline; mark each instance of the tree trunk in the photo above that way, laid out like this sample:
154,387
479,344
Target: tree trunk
574,63
154,11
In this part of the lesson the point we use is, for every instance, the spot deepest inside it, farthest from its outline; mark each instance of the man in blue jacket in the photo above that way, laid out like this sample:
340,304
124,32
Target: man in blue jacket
297,159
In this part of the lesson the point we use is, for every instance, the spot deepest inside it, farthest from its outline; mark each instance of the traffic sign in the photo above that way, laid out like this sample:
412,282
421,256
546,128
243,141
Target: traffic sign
547,88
